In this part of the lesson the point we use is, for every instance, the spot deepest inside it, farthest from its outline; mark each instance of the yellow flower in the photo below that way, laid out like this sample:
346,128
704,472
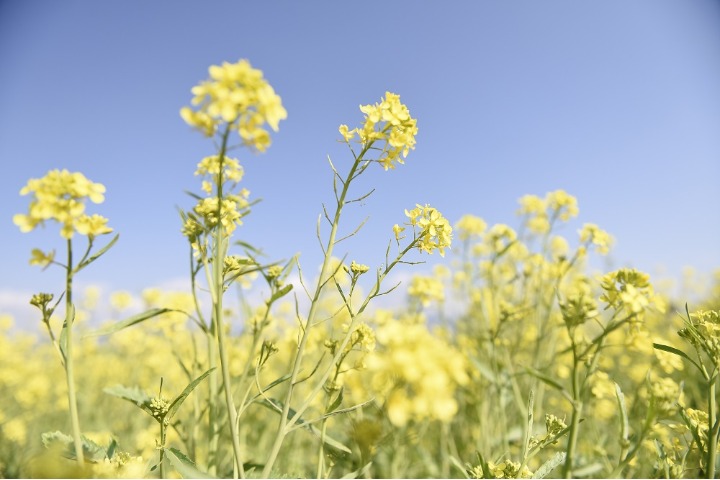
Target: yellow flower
388,121
236,94
435,232
92,226
347,134
592,234
470,226
41,258
426,289
397,230
60,196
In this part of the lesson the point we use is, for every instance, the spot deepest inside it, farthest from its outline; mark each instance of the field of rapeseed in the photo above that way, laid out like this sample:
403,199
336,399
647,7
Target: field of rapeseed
512,359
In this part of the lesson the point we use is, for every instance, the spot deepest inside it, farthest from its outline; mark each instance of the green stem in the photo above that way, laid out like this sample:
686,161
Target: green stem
220,246
163,434
713,430
69,363
577,411
322,281
213,430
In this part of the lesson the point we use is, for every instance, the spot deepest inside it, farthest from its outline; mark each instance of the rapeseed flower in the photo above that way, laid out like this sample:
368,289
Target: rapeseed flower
390,122
60,196
435,232
236,94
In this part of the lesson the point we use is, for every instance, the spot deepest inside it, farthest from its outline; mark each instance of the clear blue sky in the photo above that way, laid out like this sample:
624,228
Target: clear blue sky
616,102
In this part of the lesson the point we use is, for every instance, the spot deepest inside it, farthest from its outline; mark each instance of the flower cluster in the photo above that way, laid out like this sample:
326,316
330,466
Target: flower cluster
387,121
414,370
629,290
470,226
60,196
159,406
435,232
591,234
210,166
426,289
703,332
508,469
236,94
541,213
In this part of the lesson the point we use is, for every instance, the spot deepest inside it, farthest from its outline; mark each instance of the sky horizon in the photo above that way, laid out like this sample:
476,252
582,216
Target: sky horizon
616,103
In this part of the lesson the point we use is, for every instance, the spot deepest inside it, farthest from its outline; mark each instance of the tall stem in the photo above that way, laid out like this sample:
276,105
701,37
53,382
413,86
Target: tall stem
69,362
220,241
577,411
322,280
713,430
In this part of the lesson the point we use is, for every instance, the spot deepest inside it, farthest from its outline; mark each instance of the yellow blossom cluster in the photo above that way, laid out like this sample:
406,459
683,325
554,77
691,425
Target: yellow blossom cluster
414,371
60,196
432,230
540,213
426,289
388,121
238,95
630,290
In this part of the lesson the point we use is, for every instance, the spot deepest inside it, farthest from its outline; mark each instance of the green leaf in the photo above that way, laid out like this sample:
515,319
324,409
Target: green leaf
111,449
624,423
281,293
274,405
679,353
91,451
132,394
98,254
550,465
274,383
181,398
128,322
549,381
184,465
359,473
336,403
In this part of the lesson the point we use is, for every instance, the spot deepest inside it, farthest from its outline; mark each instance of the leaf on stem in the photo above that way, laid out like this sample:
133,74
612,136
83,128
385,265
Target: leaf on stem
91,451
132,394
184,465
675,351
100,252
128,322
550,465
274,405
280,293
181,398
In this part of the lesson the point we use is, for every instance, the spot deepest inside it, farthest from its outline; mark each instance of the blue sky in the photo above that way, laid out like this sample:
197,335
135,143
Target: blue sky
616,102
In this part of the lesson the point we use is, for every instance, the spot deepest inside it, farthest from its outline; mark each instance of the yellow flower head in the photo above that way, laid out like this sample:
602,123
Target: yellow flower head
390,122
435,232
238,95
60,196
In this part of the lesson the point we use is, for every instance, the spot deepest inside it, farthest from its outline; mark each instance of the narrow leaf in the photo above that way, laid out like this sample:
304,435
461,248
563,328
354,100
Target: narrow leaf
336,403
128,322
550,465
549,381
624,423
274,405
679,353
281,293
359,473
132,394
184,465
99,253
181,398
